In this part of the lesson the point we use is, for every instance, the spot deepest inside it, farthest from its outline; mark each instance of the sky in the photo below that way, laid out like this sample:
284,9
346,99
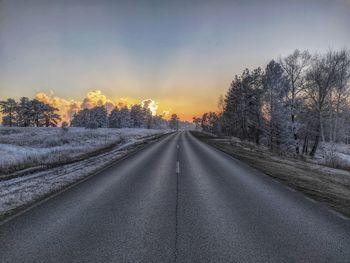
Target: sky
180,54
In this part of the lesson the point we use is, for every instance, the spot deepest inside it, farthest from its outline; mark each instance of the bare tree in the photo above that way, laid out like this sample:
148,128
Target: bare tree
322,77
340,94
295,66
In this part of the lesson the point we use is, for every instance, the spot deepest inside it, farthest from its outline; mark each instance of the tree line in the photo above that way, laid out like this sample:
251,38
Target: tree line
34,113
135,117
28,113
294,103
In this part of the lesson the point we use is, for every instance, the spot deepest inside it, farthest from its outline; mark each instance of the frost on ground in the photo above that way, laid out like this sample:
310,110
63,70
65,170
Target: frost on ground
336,155
26,142
323,183
22,148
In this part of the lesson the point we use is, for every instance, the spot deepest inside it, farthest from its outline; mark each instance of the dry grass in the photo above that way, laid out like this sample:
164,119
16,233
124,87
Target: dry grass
324,184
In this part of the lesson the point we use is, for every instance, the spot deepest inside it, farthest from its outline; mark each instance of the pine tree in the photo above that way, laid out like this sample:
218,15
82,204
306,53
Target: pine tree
97,118
8,109
114,118
136,116
147,118
80,119
51,118
125,120
24,113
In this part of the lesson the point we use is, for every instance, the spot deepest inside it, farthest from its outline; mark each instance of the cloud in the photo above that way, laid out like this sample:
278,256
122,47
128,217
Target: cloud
66,108
150,104
95,98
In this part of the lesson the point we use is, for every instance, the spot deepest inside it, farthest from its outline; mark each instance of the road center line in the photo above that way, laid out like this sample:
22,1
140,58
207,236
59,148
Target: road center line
177,167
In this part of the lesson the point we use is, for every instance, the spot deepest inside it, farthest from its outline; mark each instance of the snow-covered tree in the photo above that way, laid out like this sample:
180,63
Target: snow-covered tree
322,77
158,122
147,118
136,116
243,102
125,120
197,122
295,66
97,118
275,109
80,119
114,118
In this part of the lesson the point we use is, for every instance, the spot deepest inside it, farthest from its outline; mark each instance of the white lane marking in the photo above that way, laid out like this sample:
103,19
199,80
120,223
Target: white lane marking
177,167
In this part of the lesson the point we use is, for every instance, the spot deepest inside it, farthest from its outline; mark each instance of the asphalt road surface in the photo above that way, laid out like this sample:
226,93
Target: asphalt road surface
178,200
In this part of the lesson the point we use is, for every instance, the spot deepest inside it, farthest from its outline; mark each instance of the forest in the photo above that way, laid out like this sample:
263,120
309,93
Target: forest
293,104
34,113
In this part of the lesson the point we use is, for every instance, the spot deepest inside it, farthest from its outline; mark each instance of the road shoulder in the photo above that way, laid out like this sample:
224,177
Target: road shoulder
319,183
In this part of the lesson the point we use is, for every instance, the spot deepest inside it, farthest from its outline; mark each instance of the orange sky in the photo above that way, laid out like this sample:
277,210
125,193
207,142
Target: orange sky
67,107
181,54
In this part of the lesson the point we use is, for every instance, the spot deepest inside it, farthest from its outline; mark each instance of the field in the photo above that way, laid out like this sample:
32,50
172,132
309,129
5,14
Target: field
37,162
23,148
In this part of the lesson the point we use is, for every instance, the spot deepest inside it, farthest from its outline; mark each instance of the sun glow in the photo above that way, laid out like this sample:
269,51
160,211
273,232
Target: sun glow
67,108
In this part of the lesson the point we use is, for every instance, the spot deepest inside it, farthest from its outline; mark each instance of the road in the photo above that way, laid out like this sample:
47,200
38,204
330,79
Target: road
215,209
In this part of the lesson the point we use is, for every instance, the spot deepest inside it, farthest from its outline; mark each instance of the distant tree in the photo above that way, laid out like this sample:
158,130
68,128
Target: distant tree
28,113
8,109
24,113
50,116
65,126
197,122
136,116
125,120
210,122
97,118
174,122
147,118
80,119
36,109
114,118
158,122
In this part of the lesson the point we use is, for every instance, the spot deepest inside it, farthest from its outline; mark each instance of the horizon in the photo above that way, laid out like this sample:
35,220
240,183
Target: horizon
181,55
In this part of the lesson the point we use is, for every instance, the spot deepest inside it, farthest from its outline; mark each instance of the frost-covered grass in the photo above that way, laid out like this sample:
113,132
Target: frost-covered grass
320,182
335,155
22,148
35,146
19,192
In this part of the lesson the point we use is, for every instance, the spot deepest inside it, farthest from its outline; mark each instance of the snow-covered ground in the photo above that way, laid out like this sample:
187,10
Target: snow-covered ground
334,154
20,145
22,148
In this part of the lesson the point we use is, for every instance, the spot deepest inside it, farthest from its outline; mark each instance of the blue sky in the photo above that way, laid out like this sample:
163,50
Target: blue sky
183,54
